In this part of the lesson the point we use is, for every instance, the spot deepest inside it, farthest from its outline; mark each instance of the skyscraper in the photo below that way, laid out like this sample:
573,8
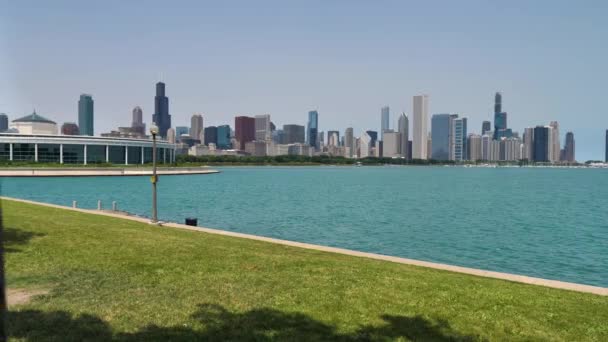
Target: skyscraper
171,135
294,134
137,123
459,139
196,126
262,128
365,145
441,131
373,137
486,127
569,147
3,122
244,131
541,144
161,116
349,143
555,144
384,121
333,138
528,152
404,125
474,146
181,130
606,148
210,135
312,128
500,117
223,137
391,144
85,115
420,122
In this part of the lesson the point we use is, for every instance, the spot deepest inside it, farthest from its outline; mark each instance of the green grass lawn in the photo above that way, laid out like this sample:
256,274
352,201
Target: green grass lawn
114,279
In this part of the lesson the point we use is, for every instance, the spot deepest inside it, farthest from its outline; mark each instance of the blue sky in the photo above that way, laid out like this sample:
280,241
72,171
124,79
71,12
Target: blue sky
346,59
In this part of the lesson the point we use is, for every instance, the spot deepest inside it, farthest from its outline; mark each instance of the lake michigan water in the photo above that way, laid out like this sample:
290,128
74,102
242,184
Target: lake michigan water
549,223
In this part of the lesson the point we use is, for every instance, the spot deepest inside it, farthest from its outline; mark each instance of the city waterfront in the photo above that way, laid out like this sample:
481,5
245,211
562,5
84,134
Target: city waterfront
548,223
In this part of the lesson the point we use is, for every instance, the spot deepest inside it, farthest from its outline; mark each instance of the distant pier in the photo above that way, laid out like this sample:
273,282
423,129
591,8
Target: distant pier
97,172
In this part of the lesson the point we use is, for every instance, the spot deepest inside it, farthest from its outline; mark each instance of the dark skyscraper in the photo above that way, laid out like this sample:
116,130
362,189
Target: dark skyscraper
441,126
137,124
486,126
85,115
312,128
223,137
374,136
541,144
210,135
500,117
161,116
244,131
293,134
569,147
3,122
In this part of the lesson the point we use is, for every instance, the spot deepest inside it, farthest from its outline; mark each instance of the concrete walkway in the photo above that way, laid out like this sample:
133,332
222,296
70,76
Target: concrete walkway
107,171
465,270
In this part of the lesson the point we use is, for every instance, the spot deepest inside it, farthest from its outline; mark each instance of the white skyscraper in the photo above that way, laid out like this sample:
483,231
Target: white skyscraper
171,135
349,143
262,128
474,147
556,147
384,121
196,126
365,145
404,128
391,144
528,144
420,122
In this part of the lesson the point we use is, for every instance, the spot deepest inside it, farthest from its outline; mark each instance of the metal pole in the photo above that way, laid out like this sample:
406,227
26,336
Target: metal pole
154,180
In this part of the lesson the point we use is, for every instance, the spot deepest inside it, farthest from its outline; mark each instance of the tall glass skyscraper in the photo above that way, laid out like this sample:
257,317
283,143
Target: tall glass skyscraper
85,115
541,144
384,121
210,135
312,128
459,139
161,115
440,136
500,118
223,137
486,127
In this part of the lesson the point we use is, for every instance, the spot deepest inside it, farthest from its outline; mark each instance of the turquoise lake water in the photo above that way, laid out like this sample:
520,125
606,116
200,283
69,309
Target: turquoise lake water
549,223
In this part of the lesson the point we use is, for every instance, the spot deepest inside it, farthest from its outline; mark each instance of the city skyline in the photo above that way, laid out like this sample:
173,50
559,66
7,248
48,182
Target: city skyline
286,68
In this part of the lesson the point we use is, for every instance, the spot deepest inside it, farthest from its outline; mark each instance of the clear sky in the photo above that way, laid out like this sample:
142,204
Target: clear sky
346,59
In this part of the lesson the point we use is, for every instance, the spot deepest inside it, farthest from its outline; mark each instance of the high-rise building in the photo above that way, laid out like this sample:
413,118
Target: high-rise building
486,126
349,143
365,145
541,144
70,128
485,146
312,128
420,122
391,144
606,148
458,139
374,137
510,149
244,131
262,128
569,148
500,117
384,121
196,127
474,146
320,140
85,115
441,134
555,143
137,123
161,116
403,128
294,134
528,151
171,135
3,122
223,137
210,135
333,138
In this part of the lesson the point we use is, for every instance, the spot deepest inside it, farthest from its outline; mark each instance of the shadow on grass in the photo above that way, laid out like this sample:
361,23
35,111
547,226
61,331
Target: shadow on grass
219,324
15,237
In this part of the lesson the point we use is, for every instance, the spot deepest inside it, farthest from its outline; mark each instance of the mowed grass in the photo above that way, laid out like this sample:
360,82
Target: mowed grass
115,279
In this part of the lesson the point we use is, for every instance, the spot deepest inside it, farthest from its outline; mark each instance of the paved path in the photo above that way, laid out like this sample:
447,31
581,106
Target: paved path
472,271
108,171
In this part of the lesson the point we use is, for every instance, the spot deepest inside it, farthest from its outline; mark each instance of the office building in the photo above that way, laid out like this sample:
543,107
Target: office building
458,139
181,130
500,119
312,129
223,137
320,140
161,116
441,136
365,145
262,128
510,149
474,147
374,137
171,135
384,121
403,128
349,143
555,143
569,148
528,148
333,138
486,126
391,144
485,146
3,122
541,144
420,122
85,115
196,127
244,131
137,124
294,134
256,148
210,135
70,128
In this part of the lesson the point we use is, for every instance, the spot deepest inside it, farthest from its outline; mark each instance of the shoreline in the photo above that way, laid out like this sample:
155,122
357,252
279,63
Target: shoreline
102,172
557,284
